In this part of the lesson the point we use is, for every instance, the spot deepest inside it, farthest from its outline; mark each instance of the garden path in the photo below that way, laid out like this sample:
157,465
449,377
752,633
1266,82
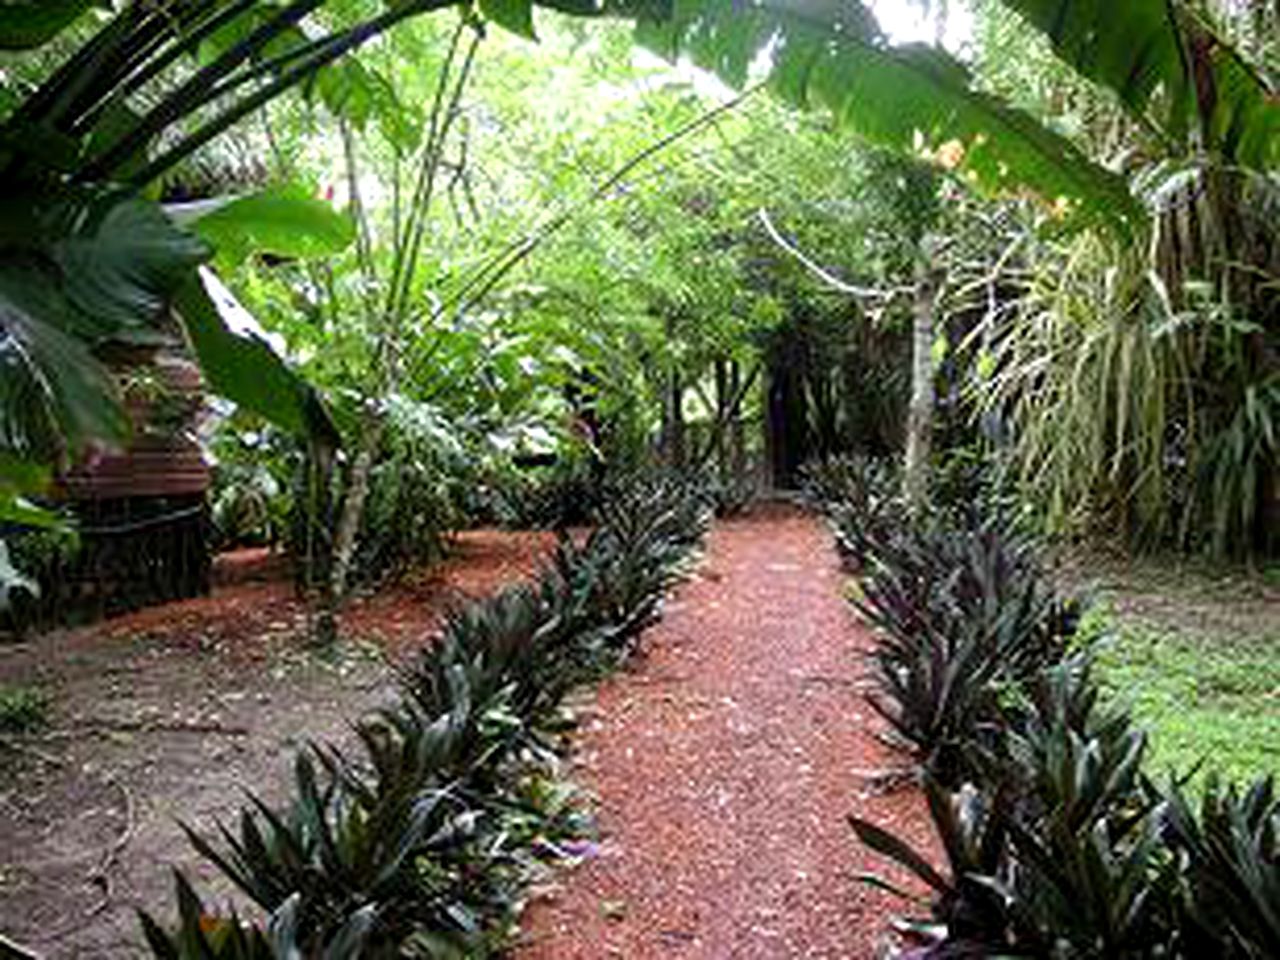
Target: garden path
724,764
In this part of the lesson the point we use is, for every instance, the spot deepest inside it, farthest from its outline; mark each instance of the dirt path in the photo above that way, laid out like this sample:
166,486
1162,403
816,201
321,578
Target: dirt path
724,766
168,714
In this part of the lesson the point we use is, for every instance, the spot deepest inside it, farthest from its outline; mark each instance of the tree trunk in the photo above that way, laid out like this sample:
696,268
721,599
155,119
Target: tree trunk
673,409
737,432
920,412
724,398
787,417
673,417
346,538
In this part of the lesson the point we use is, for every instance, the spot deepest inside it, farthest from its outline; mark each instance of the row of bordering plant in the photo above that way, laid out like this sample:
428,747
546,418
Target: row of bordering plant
420,846
1057,842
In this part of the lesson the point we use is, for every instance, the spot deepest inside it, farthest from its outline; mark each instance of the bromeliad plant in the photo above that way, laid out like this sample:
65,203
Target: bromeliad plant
1230,885
962,606
1056,843
227,938
422,843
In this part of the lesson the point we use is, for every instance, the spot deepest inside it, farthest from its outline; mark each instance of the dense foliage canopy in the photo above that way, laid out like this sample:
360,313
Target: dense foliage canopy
468,247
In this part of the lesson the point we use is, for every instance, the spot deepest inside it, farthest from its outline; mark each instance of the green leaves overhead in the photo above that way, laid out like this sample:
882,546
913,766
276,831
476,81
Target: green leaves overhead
282,221
911,98
1169,66
357,94
27,24
513,15
517,15
1131,55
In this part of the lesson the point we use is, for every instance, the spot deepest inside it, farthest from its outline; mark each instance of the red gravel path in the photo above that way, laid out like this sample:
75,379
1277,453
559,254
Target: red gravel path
725,764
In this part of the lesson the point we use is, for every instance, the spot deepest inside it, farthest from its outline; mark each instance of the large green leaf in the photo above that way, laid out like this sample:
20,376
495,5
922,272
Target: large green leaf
911,98
18,510
76,268
21,478
283,221
513,15
120,258
52,389
245,369
1169,66
26,24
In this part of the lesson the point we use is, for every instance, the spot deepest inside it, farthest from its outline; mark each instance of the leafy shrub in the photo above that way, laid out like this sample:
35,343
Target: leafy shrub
33,562
422,844
254,482
412,500
562,495
732,495
22,709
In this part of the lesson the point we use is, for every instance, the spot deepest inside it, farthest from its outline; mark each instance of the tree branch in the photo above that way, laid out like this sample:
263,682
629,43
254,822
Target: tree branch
821,272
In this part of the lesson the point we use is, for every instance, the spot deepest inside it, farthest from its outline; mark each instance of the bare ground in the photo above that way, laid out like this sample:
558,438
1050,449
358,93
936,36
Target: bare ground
169,714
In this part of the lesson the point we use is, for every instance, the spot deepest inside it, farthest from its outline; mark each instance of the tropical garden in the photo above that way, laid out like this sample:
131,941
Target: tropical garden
591,478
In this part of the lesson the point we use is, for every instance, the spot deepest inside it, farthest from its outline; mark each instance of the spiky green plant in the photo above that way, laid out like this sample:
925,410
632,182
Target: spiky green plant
1232,880
1139,408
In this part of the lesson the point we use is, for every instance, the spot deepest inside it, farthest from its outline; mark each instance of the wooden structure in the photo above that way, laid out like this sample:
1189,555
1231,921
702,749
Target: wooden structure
142,512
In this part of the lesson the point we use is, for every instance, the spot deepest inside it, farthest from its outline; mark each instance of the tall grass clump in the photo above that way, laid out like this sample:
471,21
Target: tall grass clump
1142,388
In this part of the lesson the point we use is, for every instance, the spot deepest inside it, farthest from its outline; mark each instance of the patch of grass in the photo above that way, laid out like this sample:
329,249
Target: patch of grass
1202,697
22,709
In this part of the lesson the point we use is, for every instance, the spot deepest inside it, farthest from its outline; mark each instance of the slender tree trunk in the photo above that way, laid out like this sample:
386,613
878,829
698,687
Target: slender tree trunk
673,408
676,402
724,397
737,431
920,412
346,538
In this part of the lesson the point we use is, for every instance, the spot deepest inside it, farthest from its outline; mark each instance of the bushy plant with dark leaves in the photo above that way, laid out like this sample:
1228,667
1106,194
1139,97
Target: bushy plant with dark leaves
963,609
1230,882
421,845
1055,848
862,498
1056,844
202,935
968,913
